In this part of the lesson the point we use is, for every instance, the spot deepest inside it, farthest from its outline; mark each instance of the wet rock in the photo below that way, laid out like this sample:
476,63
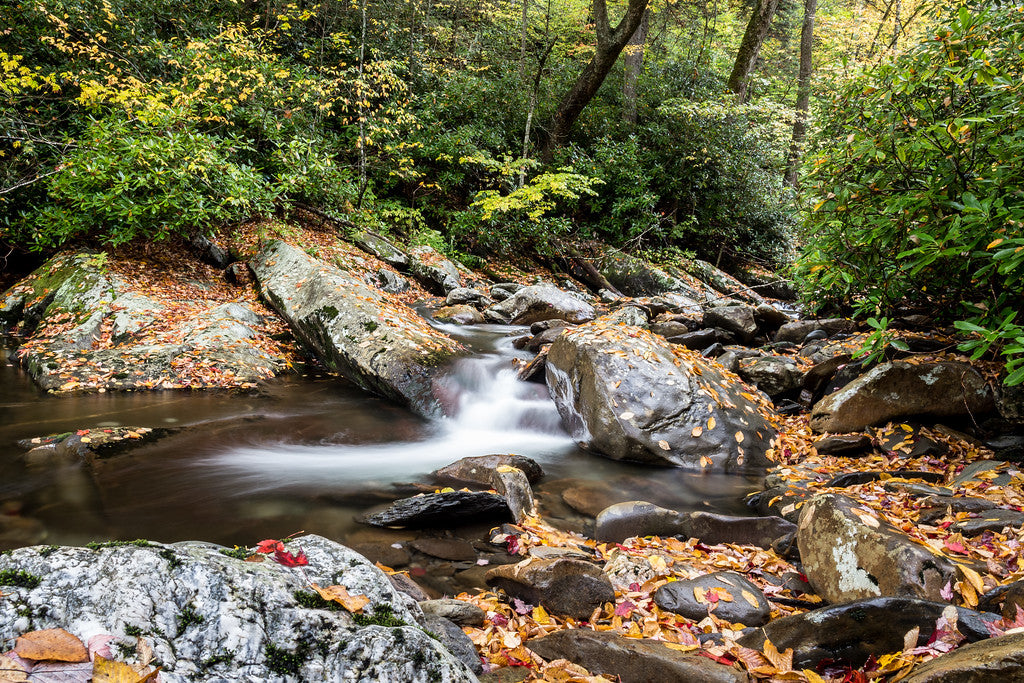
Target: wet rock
573,588
386,553
445,548
727,595
603,379
934,508
591,498
893,391
433,270
845,445
195,604
989,661
89,445
457,611
798,330
849,553
850,633
440,509
479,469
855,478
636,518
992,520
455,641
356,331
736,319
632,660
544,338
460,314
383,249
542,302
391,282
512,485
774,375
712,529
467,295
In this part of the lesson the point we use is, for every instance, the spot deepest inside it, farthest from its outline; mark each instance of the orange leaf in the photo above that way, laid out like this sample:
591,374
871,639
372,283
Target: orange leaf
110,671
340,595
54,644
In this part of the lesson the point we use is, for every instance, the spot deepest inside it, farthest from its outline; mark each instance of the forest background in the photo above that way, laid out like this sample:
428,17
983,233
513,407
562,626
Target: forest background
871,148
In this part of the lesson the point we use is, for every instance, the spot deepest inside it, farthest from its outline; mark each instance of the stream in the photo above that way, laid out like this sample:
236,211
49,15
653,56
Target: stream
306,453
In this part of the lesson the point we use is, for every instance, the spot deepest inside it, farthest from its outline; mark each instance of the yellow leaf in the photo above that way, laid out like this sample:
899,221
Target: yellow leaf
813,677
697,431
974,578
110,671
711,423
340,595
698,595
750,598
739,437
540,615
681,648
664,445
995,243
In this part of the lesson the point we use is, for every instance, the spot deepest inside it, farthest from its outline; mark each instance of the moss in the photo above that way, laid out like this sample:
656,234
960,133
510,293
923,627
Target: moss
383,616
126,650
311,600
189,617
225,657
329,312
370,325
134,631
236,552
138,543
48,550
19,578
285,662
172,559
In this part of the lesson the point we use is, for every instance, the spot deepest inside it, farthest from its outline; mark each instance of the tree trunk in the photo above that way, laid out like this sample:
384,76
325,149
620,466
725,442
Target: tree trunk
634,64
750,46
803,91
610,42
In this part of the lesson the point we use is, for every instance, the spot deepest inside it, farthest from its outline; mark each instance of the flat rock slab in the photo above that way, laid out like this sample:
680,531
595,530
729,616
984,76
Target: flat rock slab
479,469
849,553
445,548
627,394
855,478
727,595
357,331
632,660
893,391
631,518
844,445
208,616
441,509
712,528
574,588
850,633
996,660
990,520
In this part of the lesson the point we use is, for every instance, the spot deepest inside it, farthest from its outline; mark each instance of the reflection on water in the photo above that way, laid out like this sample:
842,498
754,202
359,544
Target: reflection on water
305,454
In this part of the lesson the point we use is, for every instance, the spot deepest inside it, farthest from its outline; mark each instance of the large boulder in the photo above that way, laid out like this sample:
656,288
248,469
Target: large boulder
893,391
727,595
628,394
739,320
994,660
849,553
433,270
850,633
541,302
210,616
631,660
361,333
387,252
722,281
635,277
571,587
774,375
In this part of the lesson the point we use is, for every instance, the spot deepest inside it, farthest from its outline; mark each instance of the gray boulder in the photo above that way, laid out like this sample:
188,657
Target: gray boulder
795,332
736,319
356,331
440,509
722,281
208,616
479,469
774,375
433,270
467,295
460,314
386,251
893,391
630,395
620,521
727,595
541,302
635,277
849,553
988,661
571,587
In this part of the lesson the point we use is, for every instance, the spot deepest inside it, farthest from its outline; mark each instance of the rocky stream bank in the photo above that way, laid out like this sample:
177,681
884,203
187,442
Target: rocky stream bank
884,543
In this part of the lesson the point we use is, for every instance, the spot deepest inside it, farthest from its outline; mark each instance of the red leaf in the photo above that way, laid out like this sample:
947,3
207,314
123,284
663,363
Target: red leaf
624,608
512,544
288,560
954,546
268,546
721,660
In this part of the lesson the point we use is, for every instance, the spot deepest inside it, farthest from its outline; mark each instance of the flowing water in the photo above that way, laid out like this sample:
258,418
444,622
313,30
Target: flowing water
306,453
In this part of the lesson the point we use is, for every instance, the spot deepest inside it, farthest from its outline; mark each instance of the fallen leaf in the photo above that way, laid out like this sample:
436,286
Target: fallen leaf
750,598
340,595
11,671
664,445
287,559
110,671
697,431
711,423
54,644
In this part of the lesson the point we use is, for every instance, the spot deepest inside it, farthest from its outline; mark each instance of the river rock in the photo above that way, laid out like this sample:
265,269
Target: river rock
849,553
620,521
440,509
197,606
850,633
391,282
433,270
637,278
797,331
460,314
736,319
358,332
992,520
632,660
774,375
722,281
701,339
893,391
934,508
383,249
479,469
573,588
603,381
454,640
458,611
92,444
626,315
989,661
541,302
712,528
845,445
512,485
728,595
467,295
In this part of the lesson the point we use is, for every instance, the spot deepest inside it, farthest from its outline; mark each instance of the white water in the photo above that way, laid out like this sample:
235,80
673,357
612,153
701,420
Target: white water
494,413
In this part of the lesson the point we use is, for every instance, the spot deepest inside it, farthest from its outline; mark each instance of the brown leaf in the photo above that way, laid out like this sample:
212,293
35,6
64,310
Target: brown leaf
54,644
783,661
110,671
340,595
11,671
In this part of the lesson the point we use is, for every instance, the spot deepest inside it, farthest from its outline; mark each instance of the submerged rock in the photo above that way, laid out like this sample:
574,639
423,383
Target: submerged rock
850,633
893,391
630,395
361,333
209,616
632,660
849,553
571,587
439,509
